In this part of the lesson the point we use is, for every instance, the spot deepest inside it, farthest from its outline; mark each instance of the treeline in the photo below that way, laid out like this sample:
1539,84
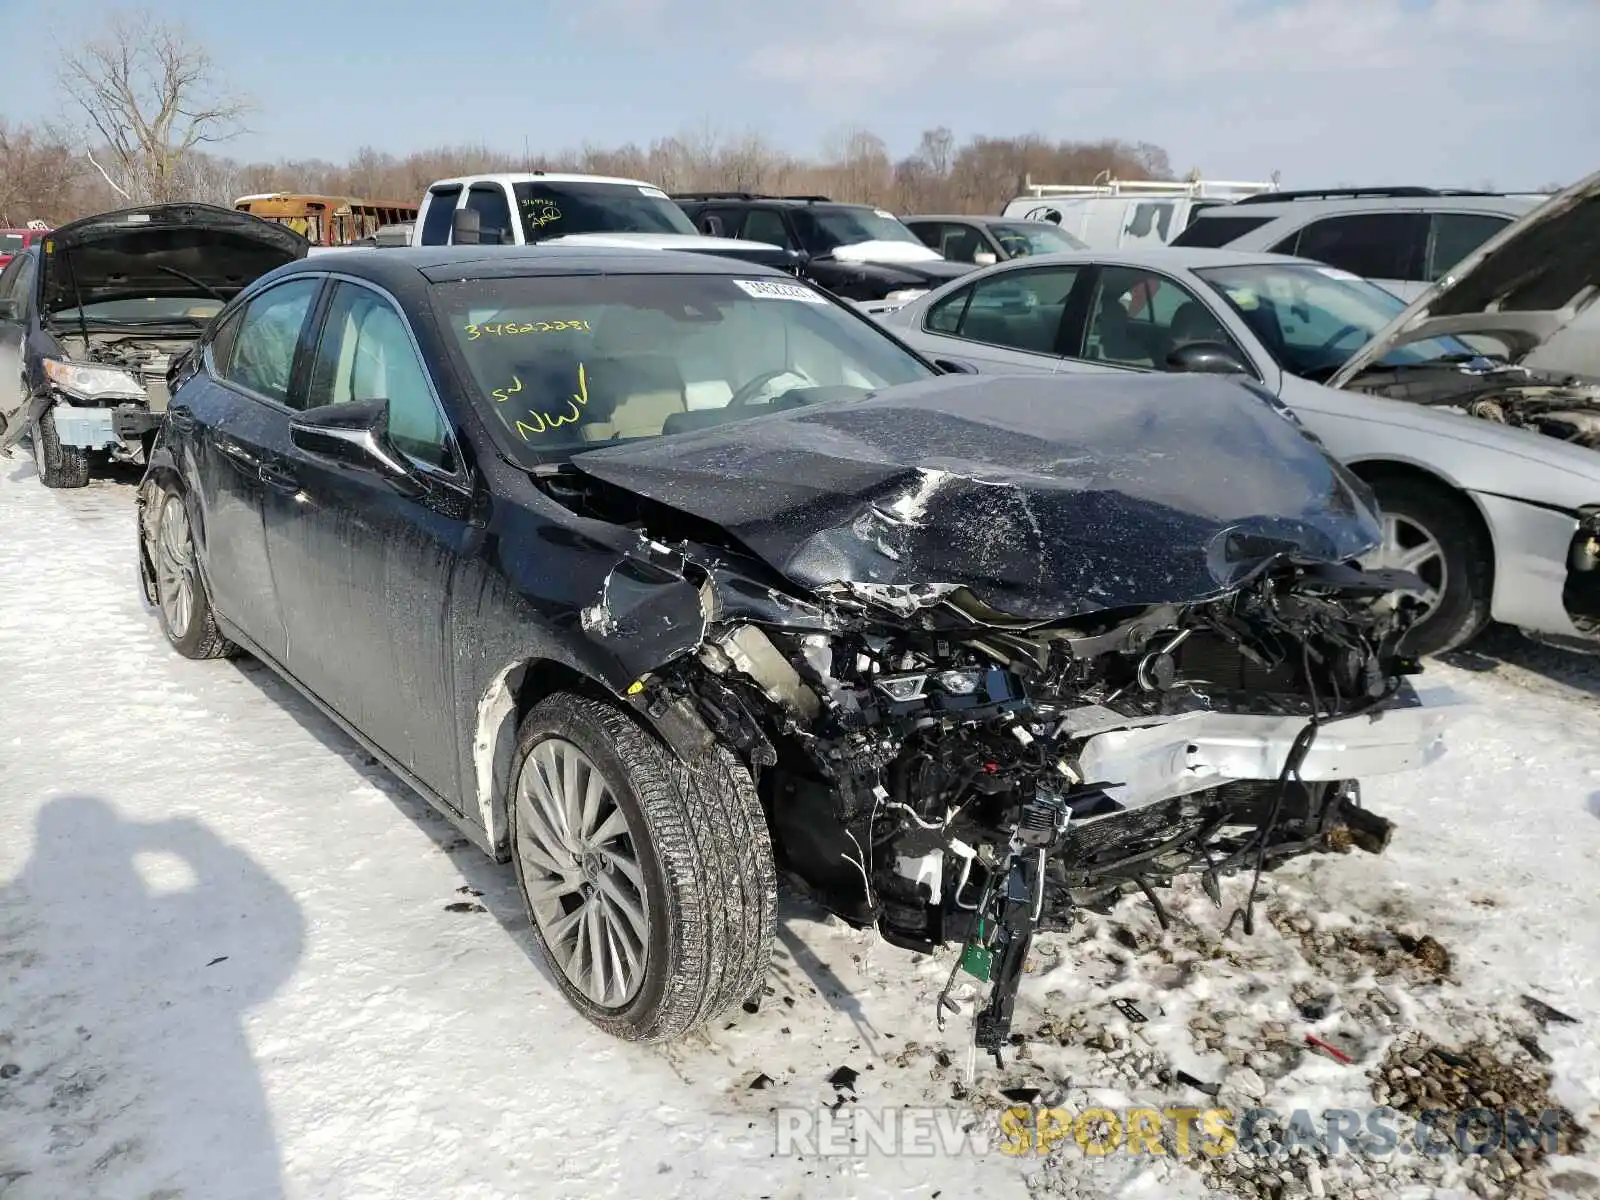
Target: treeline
53,177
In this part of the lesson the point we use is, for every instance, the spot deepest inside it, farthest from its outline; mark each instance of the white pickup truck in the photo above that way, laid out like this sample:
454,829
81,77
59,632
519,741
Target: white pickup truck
585,210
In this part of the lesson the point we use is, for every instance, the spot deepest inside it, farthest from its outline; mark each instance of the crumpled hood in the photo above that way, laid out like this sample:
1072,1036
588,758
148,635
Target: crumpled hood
1522,286
144,252
1044,497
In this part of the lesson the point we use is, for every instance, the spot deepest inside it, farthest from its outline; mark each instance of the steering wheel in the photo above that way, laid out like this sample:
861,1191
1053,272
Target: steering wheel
747,394
1338,337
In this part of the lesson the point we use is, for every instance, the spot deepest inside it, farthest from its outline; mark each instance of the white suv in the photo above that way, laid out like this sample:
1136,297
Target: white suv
1401,238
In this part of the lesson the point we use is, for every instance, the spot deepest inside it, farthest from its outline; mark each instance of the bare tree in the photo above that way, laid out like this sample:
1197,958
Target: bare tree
151,98
39,177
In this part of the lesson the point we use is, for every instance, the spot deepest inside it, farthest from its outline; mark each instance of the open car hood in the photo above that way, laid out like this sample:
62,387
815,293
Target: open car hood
136,253
1521,287
1042,497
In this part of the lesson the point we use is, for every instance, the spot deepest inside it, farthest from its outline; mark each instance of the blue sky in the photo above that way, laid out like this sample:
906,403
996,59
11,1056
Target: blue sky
1443,92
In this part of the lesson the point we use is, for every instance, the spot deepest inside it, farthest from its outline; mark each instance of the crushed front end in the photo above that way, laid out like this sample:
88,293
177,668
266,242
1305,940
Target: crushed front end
996,654
951,777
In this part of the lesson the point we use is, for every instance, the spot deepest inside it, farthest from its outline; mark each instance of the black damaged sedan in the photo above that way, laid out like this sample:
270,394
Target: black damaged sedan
658,573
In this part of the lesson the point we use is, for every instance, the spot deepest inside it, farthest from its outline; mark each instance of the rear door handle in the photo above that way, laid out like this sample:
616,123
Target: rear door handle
279,477
182,419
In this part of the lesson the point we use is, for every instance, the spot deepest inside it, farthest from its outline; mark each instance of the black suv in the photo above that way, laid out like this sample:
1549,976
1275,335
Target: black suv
855,251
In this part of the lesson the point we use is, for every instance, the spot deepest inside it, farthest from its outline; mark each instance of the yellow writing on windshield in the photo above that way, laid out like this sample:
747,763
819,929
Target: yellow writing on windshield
540,213
534,421
474,332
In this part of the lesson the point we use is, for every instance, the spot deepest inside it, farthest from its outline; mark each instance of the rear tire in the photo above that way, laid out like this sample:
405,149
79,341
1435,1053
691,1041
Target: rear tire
1427,510
58,466
671,860
183,603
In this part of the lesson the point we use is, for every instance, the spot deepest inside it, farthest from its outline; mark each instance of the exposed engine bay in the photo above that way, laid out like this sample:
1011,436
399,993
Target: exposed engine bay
1559,406
142,356
978,698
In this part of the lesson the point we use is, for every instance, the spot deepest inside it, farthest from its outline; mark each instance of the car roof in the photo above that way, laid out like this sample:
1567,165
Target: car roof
1156,258
394,266
731,201
513,177
1320,206
977,219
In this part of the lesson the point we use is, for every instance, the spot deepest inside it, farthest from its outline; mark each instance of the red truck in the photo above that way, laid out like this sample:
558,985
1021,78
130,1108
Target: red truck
14,240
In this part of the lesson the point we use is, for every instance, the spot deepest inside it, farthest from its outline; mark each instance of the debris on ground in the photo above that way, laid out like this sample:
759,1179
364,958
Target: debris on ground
1545,1014
1419,1074
844,1077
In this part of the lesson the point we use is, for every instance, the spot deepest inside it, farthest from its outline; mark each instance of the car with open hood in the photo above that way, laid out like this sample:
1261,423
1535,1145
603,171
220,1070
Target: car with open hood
94,314
657,573
1483,463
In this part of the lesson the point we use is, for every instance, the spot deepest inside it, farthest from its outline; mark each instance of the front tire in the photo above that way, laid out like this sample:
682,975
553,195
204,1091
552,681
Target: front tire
183,604
58,466
1435,532
649,881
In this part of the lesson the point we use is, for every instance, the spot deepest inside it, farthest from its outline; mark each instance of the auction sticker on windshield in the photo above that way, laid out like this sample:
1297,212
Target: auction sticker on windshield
767,289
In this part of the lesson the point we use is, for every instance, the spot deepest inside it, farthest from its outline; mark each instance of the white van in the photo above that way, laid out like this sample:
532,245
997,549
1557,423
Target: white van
1126,212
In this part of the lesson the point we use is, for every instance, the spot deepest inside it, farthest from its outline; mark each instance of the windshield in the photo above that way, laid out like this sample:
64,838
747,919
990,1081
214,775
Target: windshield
10,243
1034,237
824,230
570,363
1312,319
144,312
554,209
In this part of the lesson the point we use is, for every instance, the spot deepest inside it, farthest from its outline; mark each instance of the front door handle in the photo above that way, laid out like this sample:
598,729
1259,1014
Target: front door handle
279,477
182,419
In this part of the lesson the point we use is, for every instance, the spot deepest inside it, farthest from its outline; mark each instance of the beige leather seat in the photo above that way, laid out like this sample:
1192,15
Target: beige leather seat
641,393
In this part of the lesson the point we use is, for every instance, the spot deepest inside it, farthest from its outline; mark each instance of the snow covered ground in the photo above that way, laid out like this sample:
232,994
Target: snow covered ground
238,961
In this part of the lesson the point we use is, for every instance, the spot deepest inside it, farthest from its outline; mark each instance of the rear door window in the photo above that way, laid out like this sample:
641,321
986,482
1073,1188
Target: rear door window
11,284
1015,310
1210,232
1453,236
1386,245
958,243
488,200
766,225
441,213
263,354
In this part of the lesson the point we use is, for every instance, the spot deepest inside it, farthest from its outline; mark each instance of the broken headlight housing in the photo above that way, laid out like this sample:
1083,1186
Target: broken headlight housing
92,383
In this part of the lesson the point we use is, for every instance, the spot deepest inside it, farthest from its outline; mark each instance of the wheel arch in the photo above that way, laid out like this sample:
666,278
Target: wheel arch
1374,470
508,698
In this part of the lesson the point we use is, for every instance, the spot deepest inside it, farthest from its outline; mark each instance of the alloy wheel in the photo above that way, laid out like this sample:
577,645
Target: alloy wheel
1408,545
580,870
175,566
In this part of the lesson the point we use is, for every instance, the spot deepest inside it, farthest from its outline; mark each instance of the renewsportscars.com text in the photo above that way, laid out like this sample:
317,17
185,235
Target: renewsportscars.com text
1211,1132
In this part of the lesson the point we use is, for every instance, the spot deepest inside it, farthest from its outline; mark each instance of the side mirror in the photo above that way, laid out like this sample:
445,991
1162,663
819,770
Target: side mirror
1206,358
357,435
465,227
955,366
985,258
